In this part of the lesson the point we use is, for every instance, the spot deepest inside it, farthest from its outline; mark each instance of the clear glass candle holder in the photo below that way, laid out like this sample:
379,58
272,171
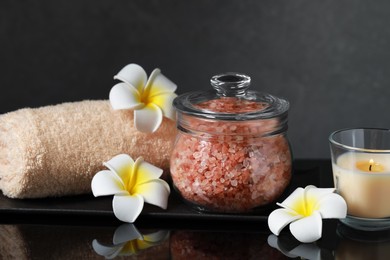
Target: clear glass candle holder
361,175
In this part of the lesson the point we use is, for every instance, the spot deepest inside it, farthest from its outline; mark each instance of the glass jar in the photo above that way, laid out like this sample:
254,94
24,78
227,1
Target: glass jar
231,153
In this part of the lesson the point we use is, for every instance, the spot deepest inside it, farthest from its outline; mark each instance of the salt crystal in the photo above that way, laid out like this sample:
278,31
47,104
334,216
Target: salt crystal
246,163
208,174
197,155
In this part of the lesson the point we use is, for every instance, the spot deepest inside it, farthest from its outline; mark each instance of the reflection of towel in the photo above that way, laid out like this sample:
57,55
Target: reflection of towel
56,150
64,242
12,244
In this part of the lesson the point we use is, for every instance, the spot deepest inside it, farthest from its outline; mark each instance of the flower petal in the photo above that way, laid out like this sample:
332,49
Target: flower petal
308,229
164,101
148,119
290,201
154,192
280,218
127,208
305,200
314,196
122,165
158,84
317,193
107,183
124,233
109,252
333,206
144,171
123,96
134,75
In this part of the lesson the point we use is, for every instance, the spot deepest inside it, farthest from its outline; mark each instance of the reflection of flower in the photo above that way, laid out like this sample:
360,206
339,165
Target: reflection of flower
305,209
129,241
303,251
151,99
132,184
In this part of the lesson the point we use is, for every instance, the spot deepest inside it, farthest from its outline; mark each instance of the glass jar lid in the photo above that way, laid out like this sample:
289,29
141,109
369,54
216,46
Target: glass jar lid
231,100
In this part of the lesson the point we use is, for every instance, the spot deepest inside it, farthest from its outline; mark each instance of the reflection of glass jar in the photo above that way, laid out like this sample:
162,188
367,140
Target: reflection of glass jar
188,244
231,153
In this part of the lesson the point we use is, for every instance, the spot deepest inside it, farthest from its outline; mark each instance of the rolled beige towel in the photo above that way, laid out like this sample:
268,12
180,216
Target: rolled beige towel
55,150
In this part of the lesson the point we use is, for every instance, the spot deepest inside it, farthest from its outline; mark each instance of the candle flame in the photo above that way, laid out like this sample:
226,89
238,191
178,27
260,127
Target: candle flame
371,163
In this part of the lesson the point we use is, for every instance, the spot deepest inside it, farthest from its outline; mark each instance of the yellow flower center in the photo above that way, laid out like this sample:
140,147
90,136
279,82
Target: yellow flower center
305,207
150,95
136,177
145,99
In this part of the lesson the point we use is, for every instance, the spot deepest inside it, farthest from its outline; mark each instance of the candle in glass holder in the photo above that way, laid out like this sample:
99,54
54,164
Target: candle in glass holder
363,180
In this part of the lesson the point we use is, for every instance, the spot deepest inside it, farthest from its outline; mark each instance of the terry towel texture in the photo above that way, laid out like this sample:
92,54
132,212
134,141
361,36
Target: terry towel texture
55,150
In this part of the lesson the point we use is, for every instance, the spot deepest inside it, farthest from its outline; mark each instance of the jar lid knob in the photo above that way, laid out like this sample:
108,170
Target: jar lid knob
230,84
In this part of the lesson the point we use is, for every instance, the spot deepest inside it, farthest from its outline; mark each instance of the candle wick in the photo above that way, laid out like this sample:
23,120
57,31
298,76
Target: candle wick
369,168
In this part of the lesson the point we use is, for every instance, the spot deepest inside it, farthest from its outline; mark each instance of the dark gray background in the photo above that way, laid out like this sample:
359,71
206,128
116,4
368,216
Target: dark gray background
330,59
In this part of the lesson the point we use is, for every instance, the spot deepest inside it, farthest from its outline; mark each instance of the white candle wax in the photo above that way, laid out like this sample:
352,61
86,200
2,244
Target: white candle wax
367,193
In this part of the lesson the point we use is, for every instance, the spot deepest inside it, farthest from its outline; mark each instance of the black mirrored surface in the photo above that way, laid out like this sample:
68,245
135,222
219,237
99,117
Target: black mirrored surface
182,233
127,241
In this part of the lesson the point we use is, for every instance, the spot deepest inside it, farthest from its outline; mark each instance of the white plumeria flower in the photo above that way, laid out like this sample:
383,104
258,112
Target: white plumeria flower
128,241
132,184
305,209
151,99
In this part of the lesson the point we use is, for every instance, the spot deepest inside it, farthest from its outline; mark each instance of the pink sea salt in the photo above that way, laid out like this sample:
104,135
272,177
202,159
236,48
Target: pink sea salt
230,166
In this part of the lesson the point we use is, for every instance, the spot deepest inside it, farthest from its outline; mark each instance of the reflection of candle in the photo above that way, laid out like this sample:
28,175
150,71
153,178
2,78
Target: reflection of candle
363,179
351,248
